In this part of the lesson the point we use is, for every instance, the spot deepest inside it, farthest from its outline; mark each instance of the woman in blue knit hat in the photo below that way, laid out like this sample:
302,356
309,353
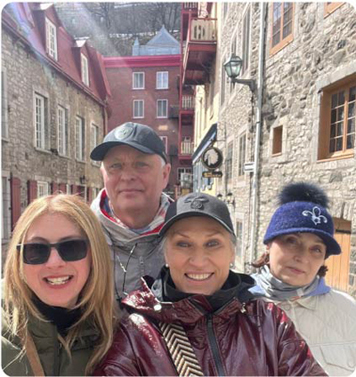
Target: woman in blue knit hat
299,238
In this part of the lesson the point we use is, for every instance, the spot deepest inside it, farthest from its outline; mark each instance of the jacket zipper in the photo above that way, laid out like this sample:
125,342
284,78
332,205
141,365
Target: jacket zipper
214,346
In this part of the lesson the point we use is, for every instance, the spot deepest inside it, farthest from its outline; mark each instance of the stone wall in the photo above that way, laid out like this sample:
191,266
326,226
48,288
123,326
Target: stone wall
323,51
26,73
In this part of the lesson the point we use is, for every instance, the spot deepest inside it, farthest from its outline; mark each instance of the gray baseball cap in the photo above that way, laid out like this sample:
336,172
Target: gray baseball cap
135,135
198,204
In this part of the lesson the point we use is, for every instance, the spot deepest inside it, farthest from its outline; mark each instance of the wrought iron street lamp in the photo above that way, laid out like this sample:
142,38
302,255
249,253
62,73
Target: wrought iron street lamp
233,68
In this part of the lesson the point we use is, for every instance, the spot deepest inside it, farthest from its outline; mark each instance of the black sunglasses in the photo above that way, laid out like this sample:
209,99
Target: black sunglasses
69,251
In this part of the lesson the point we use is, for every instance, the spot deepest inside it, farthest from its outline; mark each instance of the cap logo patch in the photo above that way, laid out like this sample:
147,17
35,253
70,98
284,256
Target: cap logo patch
196,203
123,132
316,216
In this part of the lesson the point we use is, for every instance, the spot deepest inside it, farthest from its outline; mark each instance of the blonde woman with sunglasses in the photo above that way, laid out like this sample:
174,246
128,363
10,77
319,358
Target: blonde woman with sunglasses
58,306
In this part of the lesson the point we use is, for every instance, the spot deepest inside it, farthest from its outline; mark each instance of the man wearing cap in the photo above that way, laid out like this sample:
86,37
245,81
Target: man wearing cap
132,206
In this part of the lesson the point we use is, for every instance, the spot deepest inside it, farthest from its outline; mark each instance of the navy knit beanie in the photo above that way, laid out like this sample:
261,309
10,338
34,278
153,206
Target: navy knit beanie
303,210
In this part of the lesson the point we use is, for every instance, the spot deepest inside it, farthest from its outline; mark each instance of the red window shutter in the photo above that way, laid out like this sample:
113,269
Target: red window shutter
54,188
15,200
89,195
62,188
31,191
74,189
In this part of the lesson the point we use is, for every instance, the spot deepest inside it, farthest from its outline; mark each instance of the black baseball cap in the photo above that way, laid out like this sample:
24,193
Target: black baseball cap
198,204
135,135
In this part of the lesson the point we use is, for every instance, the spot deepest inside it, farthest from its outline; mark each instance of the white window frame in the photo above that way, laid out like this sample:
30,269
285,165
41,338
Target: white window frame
68,188
63,131
51,39
138,115
162,80
4,105
94,139
246,43
42,188
41,133
6,207
181,171
158,108
85,69
79,138
135,82
165,142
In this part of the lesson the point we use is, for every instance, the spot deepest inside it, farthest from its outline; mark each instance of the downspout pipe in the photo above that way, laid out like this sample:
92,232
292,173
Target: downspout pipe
255,178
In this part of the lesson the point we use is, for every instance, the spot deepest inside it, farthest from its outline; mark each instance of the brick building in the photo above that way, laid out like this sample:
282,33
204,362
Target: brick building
145,89
54,94
297,124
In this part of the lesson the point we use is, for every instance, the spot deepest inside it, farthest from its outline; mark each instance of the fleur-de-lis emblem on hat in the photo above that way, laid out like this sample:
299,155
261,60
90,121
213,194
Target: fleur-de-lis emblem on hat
316,216
196,203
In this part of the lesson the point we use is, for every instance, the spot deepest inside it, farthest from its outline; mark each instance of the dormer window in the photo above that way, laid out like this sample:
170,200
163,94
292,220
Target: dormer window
51,39
85,69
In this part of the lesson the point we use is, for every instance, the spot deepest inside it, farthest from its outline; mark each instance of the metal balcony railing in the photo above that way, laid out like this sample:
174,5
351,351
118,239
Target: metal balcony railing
187,6
186,147
188,102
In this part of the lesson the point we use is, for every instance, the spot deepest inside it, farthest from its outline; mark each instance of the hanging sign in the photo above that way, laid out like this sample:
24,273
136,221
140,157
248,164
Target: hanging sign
212,158
212,174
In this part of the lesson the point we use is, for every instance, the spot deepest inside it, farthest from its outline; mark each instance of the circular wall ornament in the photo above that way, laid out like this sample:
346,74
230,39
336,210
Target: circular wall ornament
212,158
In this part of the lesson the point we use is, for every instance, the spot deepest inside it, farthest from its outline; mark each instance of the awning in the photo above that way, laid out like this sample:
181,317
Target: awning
208,139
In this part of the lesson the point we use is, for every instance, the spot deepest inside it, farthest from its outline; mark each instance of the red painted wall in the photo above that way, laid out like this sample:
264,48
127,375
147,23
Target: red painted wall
120,75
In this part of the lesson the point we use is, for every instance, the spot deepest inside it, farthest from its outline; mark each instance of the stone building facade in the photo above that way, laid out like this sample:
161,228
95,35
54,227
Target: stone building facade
51,119
302,59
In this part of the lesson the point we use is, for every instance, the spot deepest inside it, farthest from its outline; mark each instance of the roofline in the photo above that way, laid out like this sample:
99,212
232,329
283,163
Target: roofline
142,61
7,22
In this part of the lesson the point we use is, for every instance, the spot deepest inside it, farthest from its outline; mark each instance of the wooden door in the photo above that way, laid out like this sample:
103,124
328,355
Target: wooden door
338,265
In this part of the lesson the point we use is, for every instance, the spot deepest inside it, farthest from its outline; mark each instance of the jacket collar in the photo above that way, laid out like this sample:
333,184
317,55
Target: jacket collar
151,301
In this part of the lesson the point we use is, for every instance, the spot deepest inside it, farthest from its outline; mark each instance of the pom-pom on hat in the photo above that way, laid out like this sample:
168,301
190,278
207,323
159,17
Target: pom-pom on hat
198,204
303,210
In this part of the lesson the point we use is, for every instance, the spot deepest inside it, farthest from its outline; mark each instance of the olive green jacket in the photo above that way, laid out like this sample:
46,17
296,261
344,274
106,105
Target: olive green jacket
54,358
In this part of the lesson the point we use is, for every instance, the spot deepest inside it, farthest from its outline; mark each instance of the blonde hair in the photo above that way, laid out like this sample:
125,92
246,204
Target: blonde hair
96,299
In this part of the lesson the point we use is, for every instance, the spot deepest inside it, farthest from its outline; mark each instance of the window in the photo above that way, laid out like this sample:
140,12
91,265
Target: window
337,132
94,136
228,163
138,80
42,189
277,140
68,189
4,120
51,39
80,138
181,171
165,142
282,25
162,108
246,41
85,69
162,80
94,139
239,239
242,155
63,132
138,108
41,127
